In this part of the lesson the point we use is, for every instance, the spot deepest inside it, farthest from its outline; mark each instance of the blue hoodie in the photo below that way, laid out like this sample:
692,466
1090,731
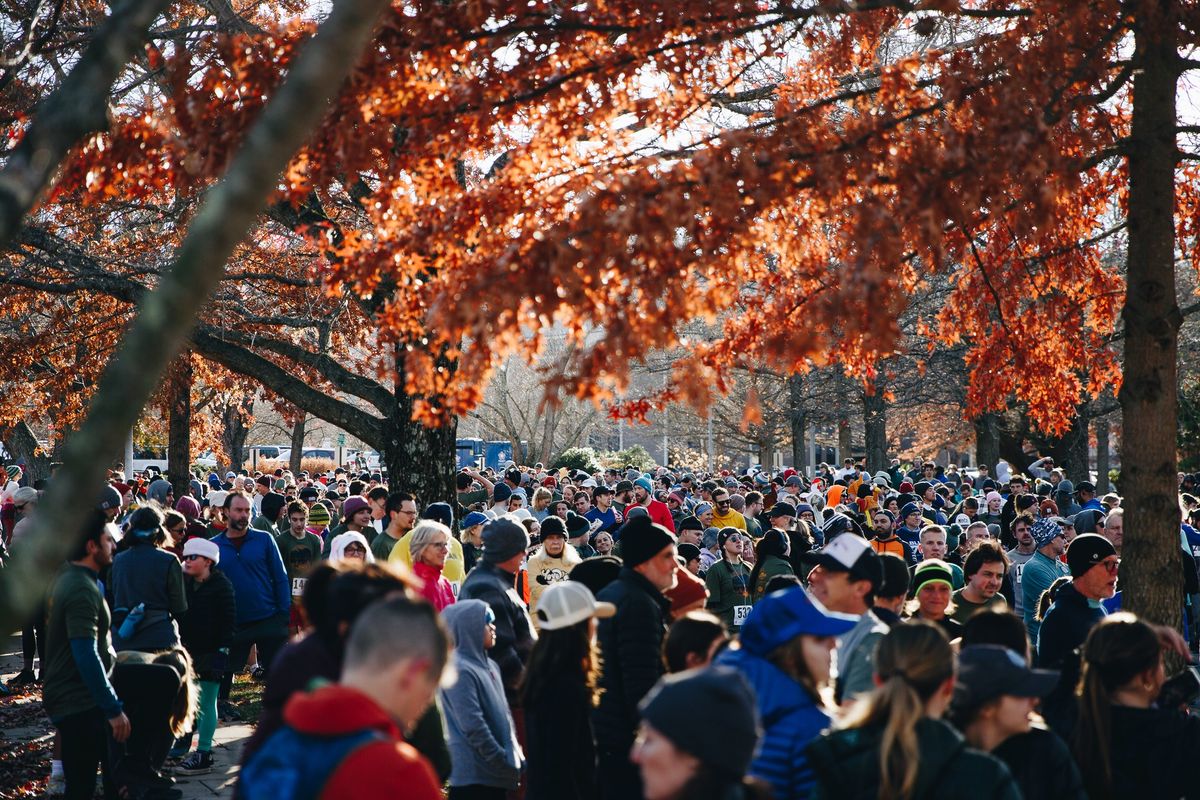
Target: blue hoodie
480,731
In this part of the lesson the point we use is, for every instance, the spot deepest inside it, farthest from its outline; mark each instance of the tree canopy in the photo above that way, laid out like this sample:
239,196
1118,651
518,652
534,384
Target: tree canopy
490,170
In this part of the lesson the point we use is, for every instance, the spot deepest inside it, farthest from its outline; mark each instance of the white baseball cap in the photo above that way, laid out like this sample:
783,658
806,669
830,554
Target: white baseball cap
568,603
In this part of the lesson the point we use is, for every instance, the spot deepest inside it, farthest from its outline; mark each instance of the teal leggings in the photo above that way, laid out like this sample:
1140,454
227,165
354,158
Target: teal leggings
206,714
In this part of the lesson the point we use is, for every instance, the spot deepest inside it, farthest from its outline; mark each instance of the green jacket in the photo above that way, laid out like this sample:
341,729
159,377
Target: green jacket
769,568
728,587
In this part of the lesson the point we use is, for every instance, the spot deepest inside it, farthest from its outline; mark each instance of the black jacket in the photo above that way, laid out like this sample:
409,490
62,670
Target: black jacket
514,629
560,752
846,764
1064,629
631,648
207,625
1042,766
1154,753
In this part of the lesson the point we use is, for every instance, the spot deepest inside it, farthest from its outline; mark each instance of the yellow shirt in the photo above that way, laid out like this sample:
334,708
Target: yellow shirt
454,570
731,519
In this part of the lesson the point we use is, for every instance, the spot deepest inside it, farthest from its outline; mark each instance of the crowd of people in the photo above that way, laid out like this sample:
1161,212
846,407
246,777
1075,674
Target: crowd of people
919,632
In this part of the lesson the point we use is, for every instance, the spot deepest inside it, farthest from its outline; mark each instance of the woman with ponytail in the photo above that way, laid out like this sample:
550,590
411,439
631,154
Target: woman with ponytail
893,744
1124,744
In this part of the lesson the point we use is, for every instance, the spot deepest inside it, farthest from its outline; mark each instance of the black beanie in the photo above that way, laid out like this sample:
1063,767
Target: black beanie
553,526
596,572
272,504
440,512
642,540
691,524
688,707
1086,551
576,525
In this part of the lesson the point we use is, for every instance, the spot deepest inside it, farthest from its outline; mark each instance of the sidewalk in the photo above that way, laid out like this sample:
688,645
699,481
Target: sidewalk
26,736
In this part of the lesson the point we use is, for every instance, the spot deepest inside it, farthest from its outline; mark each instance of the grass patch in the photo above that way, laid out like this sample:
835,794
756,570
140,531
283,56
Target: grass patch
246,694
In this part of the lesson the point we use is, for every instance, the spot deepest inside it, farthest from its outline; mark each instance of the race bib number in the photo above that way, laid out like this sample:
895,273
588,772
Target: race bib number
739,615
298,586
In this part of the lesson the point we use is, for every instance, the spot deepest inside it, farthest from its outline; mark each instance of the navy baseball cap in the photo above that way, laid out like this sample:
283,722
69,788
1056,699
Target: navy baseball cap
988,671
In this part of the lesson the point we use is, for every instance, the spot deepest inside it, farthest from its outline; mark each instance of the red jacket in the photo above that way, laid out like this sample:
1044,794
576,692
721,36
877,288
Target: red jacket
436,588
660,514
380,770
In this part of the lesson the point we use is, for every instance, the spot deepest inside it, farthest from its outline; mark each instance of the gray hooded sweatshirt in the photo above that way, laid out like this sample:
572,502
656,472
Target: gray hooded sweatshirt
483,741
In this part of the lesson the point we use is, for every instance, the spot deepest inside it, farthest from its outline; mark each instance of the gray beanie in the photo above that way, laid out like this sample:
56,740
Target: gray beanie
689,706
109,498
503,539
158,491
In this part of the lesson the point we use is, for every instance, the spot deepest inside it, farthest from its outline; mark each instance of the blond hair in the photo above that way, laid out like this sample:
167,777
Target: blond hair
912,661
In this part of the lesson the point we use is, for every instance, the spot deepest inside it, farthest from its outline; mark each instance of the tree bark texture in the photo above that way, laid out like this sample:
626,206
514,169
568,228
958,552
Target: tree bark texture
875,426
179,427
233,436
844,441
798,418
297,453
419,459
1070,451
1102,467
22,446
165,315
1150,568
987,440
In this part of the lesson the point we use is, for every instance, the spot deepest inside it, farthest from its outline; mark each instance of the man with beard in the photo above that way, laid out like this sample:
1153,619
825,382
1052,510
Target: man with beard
250,559
886,540
631,649
1041,570
78,696
658,511
623,496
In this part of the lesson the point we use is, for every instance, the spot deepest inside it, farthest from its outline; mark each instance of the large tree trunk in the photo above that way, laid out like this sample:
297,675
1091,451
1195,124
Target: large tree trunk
875,425
1150,572
179,426
987,440
844,441
1071,450
22,445
1102,445
297,443
233,438
419,460
798,419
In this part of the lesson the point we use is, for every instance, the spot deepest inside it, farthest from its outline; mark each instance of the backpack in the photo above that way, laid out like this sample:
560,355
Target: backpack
296,766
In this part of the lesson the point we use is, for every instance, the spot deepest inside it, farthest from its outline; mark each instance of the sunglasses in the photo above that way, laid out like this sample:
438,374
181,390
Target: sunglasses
192,557
1110,566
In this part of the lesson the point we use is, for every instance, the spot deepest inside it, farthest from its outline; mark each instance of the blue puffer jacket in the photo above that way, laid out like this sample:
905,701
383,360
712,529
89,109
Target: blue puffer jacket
260,582
790,720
